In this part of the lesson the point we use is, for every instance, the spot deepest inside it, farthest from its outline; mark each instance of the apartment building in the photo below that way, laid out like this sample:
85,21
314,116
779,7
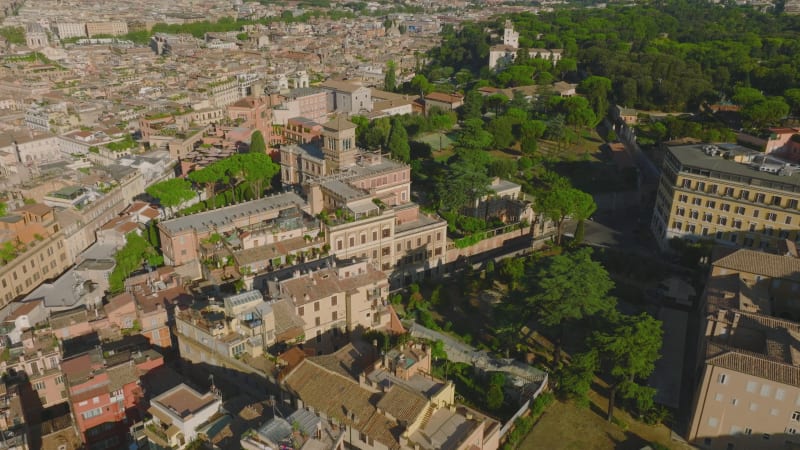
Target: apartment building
727,194
66,30
223,92
177,415
109,28
243,324
31,148
37,244
254,113
335,301
105,395
748,395
80,225
39,359
181,237
307,102
388,403
299,130
12,418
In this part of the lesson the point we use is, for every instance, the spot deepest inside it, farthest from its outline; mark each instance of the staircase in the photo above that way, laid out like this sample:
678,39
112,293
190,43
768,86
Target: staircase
428,413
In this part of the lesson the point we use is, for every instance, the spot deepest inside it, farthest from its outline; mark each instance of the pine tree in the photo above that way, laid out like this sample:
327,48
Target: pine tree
398,142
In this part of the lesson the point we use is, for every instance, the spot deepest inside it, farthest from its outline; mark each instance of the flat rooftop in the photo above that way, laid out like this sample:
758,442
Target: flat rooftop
184,401
693,157
223,217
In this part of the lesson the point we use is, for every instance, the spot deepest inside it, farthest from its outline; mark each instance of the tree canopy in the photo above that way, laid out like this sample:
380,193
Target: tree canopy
171,193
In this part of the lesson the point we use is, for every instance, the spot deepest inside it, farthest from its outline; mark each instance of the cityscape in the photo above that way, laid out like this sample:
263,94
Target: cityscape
399,224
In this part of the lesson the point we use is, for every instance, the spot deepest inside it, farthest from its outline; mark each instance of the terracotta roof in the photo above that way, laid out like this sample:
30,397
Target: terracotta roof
445,98
403,404
23,309
339,123
761,263
758,345
343,398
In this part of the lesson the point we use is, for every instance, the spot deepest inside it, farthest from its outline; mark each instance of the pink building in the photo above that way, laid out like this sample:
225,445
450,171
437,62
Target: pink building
104,394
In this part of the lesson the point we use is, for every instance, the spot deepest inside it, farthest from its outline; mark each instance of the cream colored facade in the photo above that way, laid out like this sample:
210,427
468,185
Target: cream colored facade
43,251
749,391
112,28
711,197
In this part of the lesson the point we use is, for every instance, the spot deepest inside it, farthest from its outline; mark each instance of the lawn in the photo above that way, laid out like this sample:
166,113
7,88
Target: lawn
437,141
567,426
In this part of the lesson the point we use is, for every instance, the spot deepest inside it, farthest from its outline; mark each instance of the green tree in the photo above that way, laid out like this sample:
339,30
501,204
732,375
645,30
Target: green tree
473,106
257,144
14,35
631,350
530,133
473,136
575,380
3,209
258,169
580,231
421,85
561,201
390,78
171,193
466,182
596,90
765,112
494,395
501,131
568,288
792,97
398,142
745,96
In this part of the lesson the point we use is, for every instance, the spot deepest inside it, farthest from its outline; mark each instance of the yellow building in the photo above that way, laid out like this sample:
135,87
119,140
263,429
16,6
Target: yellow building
729,194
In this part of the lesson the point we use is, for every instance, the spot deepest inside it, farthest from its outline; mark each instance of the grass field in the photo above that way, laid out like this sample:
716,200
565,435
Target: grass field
565,426
435,139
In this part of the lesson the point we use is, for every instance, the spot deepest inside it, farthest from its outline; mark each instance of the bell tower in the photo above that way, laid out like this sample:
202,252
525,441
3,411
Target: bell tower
339,144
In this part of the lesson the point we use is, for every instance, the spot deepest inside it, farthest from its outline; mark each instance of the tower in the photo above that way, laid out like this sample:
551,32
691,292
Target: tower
510,37
339,144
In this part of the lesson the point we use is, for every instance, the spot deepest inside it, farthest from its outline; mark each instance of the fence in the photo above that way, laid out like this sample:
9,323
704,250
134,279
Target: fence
523,409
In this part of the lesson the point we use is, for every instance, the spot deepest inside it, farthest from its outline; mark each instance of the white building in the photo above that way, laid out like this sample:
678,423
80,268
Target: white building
177,414
66,30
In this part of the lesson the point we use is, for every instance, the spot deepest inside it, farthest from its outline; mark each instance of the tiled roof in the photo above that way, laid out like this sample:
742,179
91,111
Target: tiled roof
403,404
343,399
761,263
757,345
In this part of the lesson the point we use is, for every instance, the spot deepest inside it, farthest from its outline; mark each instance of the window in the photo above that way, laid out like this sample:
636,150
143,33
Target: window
683,198
701,186
711,204
387,232
385,251
788,220
680,211
334,300
728,191
316,306
765,390
694,214
725,207
760,198
780,394
352,241
773,411
737,224
677,226
707,217
734,401
772,217
335,315
753,406
39,385
752,386
93,413
755,213
722,378
722,221
713,422
796,416
719,397
791,430
776,200
792,204
744,195
687,183
301,310
339,244
739,210
752,227
363,238
317,321
748,431
697,201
